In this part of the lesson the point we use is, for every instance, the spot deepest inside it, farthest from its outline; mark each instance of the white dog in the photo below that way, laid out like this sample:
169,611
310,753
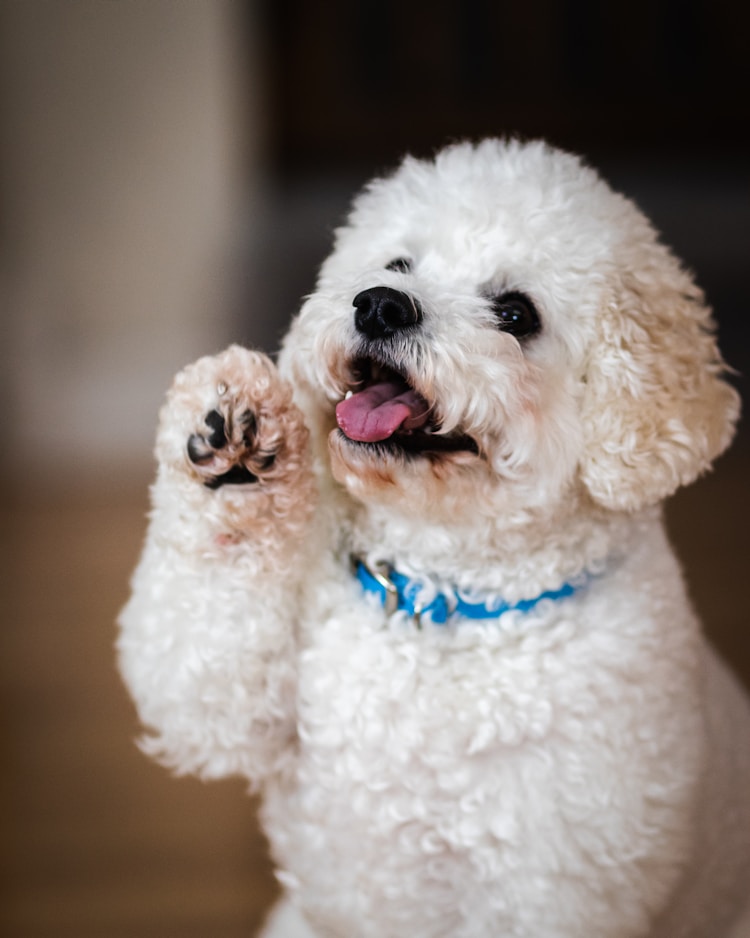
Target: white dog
500,718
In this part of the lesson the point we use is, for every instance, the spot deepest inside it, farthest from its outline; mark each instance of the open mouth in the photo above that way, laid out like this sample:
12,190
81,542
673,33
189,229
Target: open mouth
383,409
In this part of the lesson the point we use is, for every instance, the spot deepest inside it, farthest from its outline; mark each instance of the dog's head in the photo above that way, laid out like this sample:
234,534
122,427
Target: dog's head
496,328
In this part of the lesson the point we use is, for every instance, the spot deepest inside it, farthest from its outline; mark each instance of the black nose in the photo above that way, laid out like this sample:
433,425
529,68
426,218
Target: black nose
382,311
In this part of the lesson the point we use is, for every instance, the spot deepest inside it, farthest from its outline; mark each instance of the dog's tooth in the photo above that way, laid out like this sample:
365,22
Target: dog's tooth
348,395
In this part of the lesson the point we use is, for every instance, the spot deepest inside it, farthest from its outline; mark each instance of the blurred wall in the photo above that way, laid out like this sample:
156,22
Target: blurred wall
654,93
171,170
129,158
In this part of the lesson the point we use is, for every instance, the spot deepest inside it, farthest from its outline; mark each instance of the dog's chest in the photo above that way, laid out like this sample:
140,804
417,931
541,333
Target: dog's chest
463,766
428,697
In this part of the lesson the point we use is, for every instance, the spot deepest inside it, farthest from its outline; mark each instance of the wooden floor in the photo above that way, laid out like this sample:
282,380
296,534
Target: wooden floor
100,843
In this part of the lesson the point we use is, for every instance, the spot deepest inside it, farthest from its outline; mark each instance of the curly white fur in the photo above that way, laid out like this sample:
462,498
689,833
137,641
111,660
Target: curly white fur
580,769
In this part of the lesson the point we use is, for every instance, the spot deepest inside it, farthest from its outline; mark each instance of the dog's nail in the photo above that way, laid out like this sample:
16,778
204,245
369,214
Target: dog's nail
221,389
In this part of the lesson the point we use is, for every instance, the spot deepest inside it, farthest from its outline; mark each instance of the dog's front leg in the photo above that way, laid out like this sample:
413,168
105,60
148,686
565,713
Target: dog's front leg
207,644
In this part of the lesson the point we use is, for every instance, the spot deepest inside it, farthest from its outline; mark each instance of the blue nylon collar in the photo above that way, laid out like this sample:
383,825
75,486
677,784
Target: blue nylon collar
399,592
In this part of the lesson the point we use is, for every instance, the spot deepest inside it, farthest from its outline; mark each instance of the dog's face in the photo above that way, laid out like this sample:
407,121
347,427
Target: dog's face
496,330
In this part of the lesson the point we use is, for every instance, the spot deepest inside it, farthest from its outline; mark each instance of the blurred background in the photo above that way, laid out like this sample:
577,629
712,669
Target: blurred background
171,172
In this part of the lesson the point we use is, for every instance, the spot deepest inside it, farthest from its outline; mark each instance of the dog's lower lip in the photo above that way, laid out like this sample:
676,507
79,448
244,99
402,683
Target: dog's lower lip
417,443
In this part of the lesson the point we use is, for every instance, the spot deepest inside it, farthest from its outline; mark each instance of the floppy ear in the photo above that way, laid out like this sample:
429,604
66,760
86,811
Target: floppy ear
656,410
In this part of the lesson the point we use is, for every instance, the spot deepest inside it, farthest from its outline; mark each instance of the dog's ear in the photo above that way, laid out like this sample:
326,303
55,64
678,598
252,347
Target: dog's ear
656,410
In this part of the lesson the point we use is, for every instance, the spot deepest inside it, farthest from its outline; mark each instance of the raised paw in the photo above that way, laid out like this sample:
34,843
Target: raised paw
229,420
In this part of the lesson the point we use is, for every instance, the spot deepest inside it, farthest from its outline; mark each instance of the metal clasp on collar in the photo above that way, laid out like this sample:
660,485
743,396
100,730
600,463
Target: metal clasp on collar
382,573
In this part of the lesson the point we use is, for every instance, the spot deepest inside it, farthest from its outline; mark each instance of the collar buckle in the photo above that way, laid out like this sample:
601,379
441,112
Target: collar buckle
392,590
381,573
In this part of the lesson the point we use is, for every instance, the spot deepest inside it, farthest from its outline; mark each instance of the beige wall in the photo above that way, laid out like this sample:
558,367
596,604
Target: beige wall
127,167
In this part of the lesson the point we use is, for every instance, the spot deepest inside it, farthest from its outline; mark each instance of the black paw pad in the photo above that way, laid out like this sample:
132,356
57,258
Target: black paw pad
237,475
217,425
201,448
198,449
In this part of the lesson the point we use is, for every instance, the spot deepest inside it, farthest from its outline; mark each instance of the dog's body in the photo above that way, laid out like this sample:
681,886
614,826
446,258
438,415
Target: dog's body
532,373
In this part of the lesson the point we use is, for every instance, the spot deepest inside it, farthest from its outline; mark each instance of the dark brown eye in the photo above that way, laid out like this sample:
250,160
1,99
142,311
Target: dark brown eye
401,265
516,314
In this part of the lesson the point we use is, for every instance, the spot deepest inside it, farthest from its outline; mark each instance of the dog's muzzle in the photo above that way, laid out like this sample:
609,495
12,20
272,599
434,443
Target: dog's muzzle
382,406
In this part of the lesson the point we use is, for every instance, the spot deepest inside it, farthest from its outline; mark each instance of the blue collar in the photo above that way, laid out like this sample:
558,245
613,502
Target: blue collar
400,592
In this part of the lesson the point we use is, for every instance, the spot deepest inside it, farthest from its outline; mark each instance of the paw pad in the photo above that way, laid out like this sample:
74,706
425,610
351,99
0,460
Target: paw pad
227,448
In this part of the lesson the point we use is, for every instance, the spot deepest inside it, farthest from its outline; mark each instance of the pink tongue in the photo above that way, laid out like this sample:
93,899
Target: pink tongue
377,412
